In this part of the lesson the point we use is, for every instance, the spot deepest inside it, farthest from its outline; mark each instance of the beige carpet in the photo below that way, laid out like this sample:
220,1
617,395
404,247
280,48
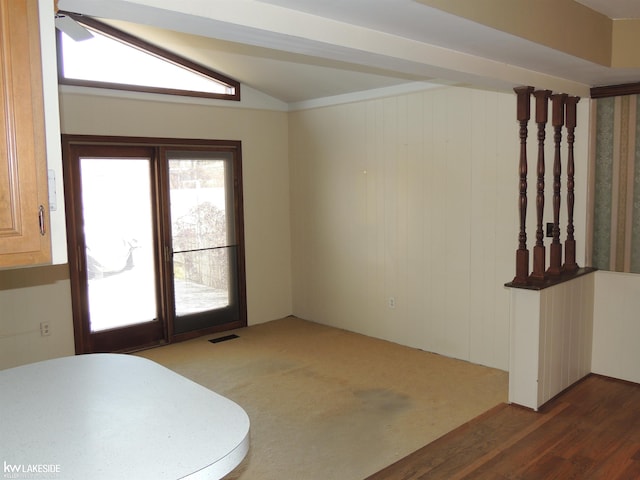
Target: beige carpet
329,404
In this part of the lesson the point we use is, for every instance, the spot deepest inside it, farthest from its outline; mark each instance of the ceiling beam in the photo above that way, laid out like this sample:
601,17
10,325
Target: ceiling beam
271,26
563,25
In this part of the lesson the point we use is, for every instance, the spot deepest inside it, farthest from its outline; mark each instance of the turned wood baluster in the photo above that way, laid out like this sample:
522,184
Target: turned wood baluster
570,264
522,254
555,256
539,253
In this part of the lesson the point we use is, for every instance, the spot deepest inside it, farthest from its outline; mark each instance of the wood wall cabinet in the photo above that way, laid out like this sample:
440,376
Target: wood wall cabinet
24,206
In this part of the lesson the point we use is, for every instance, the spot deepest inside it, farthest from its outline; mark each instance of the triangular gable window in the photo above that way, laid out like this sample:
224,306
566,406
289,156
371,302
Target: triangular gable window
116,60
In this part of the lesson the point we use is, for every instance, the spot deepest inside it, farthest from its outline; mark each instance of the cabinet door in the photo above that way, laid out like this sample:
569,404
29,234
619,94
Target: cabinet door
24,208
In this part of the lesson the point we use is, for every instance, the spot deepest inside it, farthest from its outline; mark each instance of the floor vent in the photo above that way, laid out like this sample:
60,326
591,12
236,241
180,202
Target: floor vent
224,339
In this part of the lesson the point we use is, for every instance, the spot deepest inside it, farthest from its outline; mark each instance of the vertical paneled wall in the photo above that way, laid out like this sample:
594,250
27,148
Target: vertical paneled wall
551,339
616,329
566,335
404,219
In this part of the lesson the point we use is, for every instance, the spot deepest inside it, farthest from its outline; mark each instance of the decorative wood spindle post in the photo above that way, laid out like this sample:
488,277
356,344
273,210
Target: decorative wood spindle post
539,253
555,256
570,264
522,254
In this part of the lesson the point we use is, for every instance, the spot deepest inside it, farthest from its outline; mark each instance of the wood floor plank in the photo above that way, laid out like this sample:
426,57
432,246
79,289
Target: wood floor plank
591,431
495,455
631,470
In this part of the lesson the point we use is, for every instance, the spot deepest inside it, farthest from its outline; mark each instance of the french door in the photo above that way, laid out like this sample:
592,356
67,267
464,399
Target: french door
155,236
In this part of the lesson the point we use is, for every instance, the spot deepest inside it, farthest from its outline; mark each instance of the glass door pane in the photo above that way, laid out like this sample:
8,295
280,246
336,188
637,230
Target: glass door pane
119,255
203,239
155,240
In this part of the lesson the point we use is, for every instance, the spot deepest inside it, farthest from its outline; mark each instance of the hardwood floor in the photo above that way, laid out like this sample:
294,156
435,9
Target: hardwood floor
591,431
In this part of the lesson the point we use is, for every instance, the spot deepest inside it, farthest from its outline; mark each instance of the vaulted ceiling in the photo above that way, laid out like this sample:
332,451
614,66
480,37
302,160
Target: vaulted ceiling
300,50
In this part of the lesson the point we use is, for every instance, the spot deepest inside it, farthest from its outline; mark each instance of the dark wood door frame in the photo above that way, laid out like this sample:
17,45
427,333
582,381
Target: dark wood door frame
162,331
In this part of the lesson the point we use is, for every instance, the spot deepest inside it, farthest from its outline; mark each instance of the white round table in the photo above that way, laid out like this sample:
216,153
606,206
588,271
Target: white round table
108,416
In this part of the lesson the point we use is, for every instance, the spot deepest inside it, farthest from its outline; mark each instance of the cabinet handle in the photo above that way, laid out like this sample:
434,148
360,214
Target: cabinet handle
41,220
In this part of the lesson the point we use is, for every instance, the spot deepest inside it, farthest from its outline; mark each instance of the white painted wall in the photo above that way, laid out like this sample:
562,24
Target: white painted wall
551,340
386,197
29,296
616,329
414,197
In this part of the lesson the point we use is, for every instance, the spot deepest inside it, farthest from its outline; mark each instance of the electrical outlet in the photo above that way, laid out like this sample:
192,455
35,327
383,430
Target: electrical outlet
392,302
549,229
44,329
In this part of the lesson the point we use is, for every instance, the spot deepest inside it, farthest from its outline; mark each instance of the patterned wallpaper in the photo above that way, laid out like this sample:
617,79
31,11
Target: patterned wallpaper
615,188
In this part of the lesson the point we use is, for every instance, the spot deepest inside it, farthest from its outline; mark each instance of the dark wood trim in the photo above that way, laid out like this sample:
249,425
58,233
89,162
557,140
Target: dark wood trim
181,337
71,181
539,251
570,242
555,250
140,44
523,114
160,141
552,281
615,90
233,147
135,88
136,337
105,341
